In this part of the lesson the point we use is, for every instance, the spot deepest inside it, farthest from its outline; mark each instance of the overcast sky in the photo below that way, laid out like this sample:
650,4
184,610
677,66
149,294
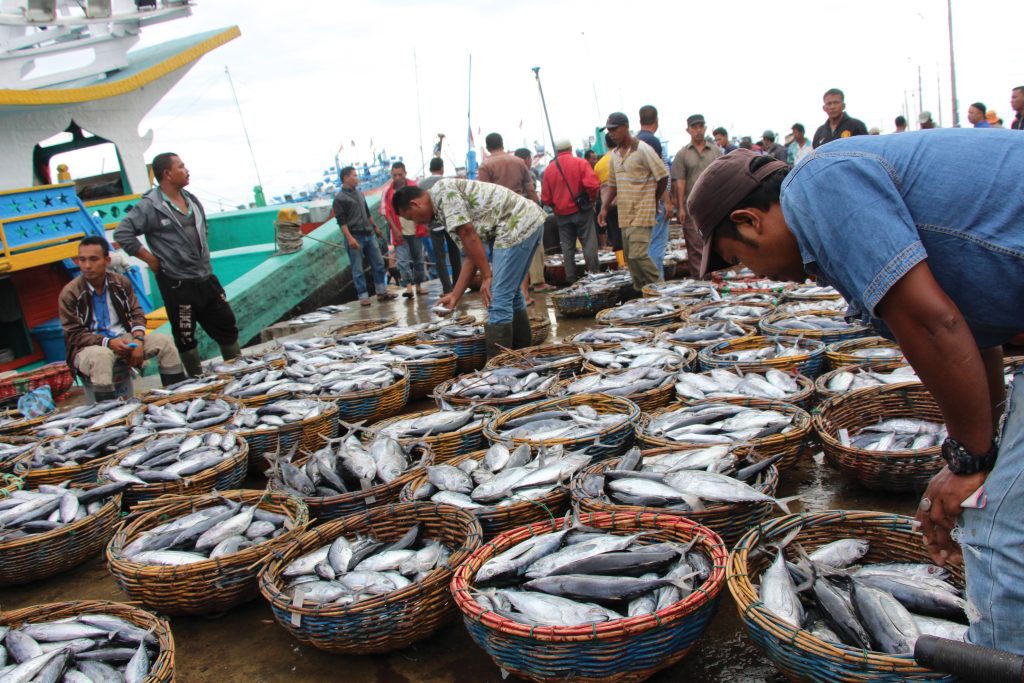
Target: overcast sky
320,73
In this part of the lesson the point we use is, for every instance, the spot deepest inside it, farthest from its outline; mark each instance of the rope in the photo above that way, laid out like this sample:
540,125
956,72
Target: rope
288,236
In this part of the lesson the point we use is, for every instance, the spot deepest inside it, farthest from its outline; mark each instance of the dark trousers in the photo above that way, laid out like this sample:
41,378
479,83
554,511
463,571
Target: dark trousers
190,302
578,226
441,240
614,234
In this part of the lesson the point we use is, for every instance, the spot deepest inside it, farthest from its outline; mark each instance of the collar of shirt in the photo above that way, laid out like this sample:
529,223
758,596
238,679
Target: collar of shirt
102,319
174,206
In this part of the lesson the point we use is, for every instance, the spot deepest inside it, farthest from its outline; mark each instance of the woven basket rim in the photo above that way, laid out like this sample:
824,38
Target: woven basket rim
330,408
633,413
800,416
72,529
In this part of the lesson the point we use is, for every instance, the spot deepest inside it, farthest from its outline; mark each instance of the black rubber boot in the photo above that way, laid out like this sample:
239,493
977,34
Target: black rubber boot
170,378
230,351
104,394
190,360
498,338
521,334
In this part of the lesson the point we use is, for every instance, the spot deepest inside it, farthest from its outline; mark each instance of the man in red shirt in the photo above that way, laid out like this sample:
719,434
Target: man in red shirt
406,236
570,187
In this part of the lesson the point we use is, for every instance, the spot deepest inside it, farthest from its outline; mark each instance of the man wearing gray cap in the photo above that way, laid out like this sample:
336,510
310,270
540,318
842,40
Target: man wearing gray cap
924,120
770,147
570,187
636,179
687,165
894,223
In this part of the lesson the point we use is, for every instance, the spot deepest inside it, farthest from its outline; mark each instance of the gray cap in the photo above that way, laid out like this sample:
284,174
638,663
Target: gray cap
616,119
924,116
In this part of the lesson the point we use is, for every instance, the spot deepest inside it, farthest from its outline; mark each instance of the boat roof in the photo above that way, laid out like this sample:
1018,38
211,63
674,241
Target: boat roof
145,65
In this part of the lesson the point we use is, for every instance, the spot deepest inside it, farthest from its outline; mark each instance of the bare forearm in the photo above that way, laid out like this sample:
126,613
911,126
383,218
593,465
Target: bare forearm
680,189
147,256
607,195
993,360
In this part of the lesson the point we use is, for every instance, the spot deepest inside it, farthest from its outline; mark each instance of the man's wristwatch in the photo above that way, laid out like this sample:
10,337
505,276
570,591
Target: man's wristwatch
961,461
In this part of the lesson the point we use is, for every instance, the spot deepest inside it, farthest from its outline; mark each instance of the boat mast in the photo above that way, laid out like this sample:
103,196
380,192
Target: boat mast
470,153
245,130
419,113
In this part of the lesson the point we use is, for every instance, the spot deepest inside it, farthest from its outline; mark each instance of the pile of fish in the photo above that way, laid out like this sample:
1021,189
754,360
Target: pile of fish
684,481
503,477
210,533
506,382
812,322
796,307
703,333
342,466
85,417
640,310
89,647
262,382
306,344
766,299
775,347
718,423
882,607
620,383
435,423
848,380
574,423
452,333
173,457
633,355
405,353
760,285
813,290
338,379
195,414
348,570
689,289
743,273
378,337
555,260
722,383
80,449
276,414
320,315
580,575
12,451
896,434
740,312
188,386
878,353
613,335
50,507
241,364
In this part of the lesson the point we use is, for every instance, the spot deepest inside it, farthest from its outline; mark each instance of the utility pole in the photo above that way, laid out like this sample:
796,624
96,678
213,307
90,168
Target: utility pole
952,65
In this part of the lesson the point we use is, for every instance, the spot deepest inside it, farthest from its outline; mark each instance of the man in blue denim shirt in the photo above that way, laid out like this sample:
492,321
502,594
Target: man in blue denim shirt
924,235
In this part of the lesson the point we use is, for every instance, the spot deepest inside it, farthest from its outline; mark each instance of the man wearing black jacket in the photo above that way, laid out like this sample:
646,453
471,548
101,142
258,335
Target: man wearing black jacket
840,124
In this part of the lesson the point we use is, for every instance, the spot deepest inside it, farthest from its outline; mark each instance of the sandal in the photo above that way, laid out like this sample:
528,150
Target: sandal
544,288
364,302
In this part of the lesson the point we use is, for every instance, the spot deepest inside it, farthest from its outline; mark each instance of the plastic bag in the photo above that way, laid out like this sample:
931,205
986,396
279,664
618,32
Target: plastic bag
37,402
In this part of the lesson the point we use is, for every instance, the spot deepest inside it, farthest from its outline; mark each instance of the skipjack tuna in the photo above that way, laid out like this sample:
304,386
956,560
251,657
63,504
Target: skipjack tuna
196,413
174,457
86,446
633,355
719,423
241,363
50,507
620,383
897,434
508,382
575,423
613,335
722,383
703,333
86,417
277,414
848,380
435,423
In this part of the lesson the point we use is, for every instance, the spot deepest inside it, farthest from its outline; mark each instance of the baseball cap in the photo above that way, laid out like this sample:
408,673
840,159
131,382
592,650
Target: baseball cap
694,120
562,145
720,188
616,119
770,134
924,116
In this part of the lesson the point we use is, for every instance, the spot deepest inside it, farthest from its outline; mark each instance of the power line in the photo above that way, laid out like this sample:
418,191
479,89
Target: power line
244,129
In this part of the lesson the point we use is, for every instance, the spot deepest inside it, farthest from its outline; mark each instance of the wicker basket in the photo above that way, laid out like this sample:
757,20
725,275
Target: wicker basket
207,587
310,434
608,443
23,425
648,333
898,471
629,649
471,352
397,335
809,364
576,302
796,295
324,509
86,473
570,361
728,520
383,623
225,475
840,354
751,321
233,403
495,521
648,400
696,289
793,445
210,390
9,484
40,556
272,364
361,327
804,398
427,373
540,329
373,404
821,384
444,446
755,286
57,376
798,654
604,318
854,330
161,669
689,356
666,335
443,395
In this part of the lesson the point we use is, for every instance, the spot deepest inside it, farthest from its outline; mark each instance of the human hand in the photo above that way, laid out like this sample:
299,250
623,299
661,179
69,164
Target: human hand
138,355
154,264
939,508
602,218
681,213
120,346
448,302
485,291
353,243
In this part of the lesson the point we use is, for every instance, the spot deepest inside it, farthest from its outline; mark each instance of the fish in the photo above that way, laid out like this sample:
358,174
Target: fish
898,434
83,446
45,508
727,310
172,456
814,322
718,423
574,423
721,383
638,355
619,383
889,624
504,382
194,413
841,553
858,378
704,333
640,310
614,335
433,423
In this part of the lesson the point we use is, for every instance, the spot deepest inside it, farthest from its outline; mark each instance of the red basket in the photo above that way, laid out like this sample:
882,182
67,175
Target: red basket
55,375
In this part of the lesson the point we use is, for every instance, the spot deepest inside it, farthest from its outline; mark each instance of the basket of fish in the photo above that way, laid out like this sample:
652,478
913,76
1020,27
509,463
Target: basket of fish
584,300
824,326
608,598
846,597
656,354
50,529
649,388
758,354
698,334
755,286
688,289
500,387
14,449
853,377
862,350
467,342
189,463
346,476
540,329
361,327
611,337
565,359
379,340
259,387
837,306
189,555
428,365
812,292
243,365
204,385
748,426
505,488
709,486
367,391
600,425
279,425
14,423
740,312
195,414
445,433
77,457
889,438
87,640
719,383
642,313
374,582
84,418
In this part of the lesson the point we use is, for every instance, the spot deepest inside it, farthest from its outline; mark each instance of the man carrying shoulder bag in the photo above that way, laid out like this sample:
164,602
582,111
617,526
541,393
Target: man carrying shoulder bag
570,187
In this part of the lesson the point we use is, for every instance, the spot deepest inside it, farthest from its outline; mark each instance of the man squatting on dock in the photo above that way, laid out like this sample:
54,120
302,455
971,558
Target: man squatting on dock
103,321
923,234
177,251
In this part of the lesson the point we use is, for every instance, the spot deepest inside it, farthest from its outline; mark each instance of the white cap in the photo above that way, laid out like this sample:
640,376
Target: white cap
563,145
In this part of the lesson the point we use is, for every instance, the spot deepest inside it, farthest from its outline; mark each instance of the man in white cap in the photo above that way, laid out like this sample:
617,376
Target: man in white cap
570,187
925,120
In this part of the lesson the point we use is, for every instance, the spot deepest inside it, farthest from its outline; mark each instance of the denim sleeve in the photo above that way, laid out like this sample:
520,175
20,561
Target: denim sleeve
849,218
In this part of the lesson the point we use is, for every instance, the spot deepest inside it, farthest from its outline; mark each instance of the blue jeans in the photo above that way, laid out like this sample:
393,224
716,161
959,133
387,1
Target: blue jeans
993,541
368,247
659,240
508,267
410,260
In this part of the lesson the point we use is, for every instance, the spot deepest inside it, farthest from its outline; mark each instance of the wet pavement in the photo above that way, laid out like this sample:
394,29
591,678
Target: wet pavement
247,645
